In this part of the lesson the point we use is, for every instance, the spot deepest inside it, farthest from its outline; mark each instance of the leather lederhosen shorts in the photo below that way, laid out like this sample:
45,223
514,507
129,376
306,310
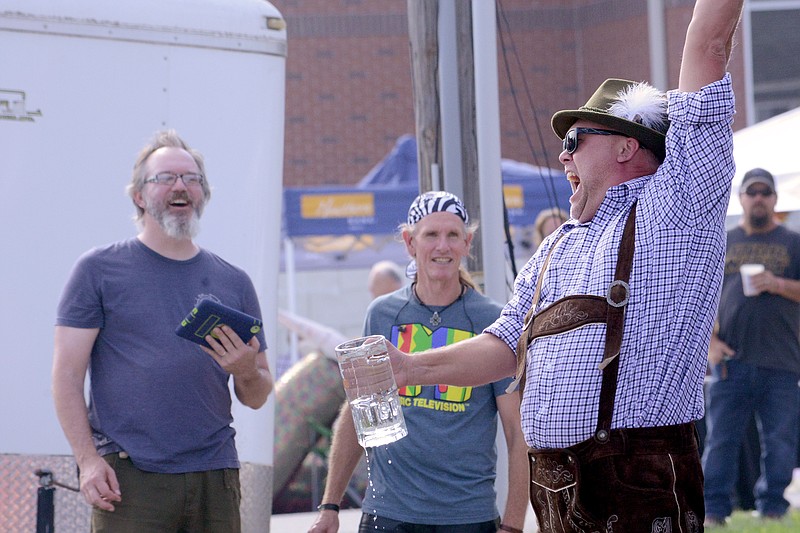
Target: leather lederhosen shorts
639,480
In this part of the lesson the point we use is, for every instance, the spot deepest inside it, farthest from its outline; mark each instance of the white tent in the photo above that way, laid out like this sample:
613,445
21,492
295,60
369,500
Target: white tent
771,145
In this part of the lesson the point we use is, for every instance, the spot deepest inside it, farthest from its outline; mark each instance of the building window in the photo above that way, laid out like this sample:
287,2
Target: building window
773,57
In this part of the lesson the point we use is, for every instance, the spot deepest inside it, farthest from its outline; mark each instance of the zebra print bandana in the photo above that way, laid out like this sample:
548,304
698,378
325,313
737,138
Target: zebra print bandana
434,202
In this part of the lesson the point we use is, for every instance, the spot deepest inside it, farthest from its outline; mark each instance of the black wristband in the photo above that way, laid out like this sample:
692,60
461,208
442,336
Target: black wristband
328,507
509,528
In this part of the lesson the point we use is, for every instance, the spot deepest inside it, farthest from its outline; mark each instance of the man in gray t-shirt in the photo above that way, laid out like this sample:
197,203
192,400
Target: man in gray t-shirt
155,446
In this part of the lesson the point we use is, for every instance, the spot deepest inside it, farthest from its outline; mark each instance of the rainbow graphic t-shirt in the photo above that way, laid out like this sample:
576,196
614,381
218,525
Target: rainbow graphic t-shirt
448,459
412,338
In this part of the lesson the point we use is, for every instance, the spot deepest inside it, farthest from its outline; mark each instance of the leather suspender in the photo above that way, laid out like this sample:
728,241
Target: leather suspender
526,337
617,298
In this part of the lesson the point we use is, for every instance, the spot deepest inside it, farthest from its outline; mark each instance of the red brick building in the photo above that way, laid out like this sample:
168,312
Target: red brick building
349,92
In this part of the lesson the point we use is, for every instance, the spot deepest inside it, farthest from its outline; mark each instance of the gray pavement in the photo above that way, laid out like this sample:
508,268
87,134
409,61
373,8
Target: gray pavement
300,522
348,522
349,518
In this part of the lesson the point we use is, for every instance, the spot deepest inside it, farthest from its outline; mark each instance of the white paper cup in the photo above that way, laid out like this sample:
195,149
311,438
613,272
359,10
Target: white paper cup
747,272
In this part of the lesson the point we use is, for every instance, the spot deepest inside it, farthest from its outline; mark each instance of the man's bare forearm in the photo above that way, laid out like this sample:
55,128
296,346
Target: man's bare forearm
709,40
476,361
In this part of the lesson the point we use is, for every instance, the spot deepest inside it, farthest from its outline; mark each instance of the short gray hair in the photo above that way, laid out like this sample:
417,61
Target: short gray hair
162,139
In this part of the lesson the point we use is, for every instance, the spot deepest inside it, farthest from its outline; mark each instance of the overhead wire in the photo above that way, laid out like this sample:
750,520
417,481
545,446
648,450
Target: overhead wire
504,32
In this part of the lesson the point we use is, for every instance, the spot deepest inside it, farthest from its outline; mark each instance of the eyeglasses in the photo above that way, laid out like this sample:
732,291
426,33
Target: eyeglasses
570,143
766,193
169,178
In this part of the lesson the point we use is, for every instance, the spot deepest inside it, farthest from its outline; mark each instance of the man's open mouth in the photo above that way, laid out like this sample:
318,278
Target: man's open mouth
179,201
574,180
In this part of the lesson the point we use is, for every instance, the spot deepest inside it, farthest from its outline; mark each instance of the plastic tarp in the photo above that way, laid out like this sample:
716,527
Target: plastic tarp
769,145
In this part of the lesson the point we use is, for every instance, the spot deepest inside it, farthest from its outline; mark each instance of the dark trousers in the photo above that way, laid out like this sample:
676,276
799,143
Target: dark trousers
195,502
640,480
371,524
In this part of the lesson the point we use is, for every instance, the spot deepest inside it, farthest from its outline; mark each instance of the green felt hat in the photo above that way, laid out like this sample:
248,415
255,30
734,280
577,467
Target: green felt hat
635,109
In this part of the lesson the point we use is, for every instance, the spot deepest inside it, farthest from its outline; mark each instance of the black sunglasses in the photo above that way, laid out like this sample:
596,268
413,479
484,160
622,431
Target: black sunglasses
766,193
570,142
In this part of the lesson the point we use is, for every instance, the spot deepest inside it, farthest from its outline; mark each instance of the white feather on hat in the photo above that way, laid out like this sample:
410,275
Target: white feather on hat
643,104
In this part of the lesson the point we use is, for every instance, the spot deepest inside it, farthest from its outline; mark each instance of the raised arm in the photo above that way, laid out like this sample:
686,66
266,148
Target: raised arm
709,40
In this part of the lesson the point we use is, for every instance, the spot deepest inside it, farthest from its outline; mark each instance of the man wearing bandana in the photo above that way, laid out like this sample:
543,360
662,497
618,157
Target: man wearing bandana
611,318
440,478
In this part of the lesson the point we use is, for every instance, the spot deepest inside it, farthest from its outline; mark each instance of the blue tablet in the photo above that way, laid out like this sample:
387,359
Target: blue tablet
209,314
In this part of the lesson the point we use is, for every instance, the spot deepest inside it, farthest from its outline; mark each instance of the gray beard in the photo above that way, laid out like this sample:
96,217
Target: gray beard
175,226
180,228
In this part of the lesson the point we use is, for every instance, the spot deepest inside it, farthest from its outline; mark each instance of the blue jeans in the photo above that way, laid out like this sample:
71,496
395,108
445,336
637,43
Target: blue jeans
735,392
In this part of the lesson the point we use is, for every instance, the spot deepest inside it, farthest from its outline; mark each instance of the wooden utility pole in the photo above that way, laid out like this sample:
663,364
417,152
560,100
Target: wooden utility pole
423,28
423,25
423,16
469,141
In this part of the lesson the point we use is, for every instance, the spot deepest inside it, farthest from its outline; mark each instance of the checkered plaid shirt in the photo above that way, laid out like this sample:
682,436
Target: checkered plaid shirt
675,284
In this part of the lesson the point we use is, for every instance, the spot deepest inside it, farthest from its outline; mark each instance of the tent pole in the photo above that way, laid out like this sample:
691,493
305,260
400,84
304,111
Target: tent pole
291,296
487,127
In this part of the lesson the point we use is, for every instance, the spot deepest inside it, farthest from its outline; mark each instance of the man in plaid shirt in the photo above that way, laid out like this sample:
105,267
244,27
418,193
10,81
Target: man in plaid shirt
609,400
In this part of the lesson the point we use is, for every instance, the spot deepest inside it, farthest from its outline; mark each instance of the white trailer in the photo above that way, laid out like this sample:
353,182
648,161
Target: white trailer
83,85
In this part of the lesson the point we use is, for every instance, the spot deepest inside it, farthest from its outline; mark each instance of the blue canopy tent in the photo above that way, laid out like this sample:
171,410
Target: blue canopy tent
370,212
333,228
